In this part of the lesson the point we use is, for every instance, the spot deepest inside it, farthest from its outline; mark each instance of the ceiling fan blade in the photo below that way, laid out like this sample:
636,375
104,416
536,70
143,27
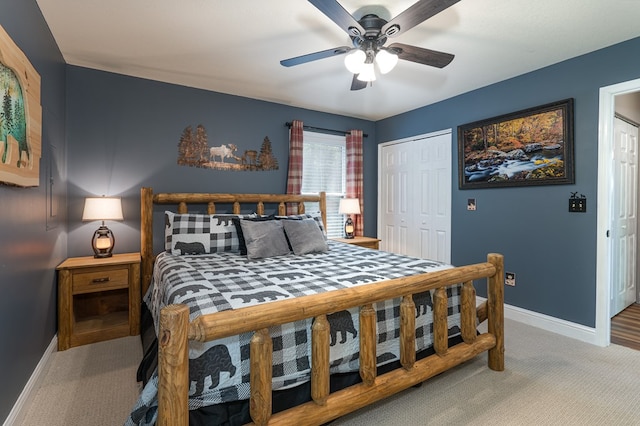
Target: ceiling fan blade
357,84
422,56
315,56
414,15
340,16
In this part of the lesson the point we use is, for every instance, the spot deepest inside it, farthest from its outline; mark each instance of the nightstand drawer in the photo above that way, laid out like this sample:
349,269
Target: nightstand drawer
104,278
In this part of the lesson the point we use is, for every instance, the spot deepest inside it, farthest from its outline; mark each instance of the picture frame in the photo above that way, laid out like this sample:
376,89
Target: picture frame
524,148
20,117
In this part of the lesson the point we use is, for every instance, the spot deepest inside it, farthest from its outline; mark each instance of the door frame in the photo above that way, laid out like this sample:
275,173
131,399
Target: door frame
381,145
604,257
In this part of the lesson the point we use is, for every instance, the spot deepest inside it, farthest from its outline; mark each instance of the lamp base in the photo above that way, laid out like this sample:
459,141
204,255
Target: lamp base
101,255
349,228
102,242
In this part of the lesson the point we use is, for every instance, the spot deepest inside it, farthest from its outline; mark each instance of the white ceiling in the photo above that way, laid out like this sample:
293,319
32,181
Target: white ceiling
235,46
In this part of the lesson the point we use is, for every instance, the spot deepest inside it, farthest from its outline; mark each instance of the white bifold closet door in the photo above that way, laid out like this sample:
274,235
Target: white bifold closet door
414,205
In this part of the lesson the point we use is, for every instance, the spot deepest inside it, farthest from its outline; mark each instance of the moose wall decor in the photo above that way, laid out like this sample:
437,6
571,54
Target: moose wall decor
194,150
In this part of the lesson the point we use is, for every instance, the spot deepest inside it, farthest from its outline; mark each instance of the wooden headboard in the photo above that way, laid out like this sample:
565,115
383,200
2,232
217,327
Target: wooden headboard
237,201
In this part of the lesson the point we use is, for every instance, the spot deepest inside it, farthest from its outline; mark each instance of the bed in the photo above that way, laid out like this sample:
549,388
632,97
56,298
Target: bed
299,335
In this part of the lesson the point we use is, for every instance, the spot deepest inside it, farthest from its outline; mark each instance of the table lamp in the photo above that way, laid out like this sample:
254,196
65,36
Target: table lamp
349,206
102,208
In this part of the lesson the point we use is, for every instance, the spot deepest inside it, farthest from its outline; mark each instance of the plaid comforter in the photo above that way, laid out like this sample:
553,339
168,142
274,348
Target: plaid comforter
219,370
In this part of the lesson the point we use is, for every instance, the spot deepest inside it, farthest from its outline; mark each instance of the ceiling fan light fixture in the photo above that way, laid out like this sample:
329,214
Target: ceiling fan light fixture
367,73
355,60
386,61
368,37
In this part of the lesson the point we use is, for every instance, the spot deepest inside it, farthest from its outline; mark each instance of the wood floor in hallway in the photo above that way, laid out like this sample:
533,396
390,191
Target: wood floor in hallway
625,327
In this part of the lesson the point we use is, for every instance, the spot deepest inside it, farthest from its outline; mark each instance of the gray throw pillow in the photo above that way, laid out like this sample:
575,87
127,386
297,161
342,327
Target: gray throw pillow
264,239
305,236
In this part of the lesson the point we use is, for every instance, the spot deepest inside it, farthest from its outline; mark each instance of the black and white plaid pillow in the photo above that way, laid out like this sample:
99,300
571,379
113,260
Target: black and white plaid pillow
193,233
317,216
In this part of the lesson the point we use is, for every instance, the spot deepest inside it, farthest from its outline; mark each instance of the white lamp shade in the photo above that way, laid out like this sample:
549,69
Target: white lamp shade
102,208
367,73
349,206
386,61
354,60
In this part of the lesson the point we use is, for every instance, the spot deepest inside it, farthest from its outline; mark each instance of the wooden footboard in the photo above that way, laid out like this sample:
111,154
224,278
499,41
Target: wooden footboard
176,330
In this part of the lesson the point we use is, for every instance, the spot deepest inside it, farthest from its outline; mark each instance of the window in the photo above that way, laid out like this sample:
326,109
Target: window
325,169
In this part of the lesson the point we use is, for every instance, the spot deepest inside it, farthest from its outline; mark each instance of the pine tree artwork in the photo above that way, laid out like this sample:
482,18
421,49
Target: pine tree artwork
194,151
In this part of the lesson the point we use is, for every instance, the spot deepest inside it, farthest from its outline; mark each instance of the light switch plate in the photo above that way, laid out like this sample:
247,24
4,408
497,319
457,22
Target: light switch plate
577,205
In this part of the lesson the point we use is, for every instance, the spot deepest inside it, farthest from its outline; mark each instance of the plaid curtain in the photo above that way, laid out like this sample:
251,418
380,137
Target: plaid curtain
294,175
354,176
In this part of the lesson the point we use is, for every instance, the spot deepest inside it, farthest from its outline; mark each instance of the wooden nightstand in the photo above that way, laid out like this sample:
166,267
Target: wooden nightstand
368,242
98,299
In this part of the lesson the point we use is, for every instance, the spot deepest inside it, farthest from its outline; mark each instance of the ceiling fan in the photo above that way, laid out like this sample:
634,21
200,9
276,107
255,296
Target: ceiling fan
370,33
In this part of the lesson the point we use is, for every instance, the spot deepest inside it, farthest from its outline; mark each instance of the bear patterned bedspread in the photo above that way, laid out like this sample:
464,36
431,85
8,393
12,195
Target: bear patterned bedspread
219,370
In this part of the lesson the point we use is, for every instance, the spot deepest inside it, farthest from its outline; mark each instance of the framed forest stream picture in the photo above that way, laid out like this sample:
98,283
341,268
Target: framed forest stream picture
528,147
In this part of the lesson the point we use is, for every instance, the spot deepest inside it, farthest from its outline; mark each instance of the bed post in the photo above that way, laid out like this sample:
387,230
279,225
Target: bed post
495,311
323,208
173,366
146,236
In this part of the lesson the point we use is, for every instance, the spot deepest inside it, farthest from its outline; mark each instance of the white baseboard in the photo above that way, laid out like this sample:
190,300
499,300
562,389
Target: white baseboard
29,392
549,323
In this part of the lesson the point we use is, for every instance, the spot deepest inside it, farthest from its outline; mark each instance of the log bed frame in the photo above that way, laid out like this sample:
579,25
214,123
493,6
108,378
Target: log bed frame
176,330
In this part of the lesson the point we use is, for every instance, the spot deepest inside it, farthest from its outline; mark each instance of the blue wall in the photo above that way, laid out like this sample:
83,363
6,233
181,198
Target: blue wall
552,251
123,133
32,244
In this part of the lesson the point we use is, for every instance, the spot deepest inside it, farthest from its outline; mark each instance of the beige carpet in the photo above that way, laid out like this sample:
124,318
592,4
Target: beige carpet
549,380
91,385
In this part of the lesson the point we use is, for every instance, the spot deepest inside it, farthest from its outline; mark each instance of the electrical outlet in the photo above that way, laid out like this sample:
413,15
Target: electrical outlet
510,279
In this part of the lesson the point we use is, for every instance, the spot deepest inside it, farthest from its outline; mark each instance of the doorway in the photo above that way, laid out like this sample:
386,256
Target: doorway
624,220
605,260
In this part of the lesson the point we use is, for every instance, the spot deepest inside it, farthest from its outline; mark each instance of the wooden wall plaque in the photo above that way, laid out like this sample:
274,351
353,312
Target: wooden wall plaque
20,116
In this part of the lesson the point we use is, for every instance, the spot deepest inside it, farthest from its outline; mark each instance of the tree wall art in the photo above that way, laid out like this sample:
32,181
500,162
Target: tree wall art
194,150
20,117
529,147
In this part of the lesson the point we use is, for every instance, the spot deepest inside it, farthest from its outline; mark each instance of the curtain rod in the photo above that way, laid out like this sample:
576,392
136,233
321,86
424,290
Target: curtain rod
320,129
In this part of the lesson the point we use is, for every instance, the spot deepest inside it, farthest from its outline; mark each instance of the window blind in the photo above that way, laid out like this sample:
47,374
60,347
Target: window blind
324,169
